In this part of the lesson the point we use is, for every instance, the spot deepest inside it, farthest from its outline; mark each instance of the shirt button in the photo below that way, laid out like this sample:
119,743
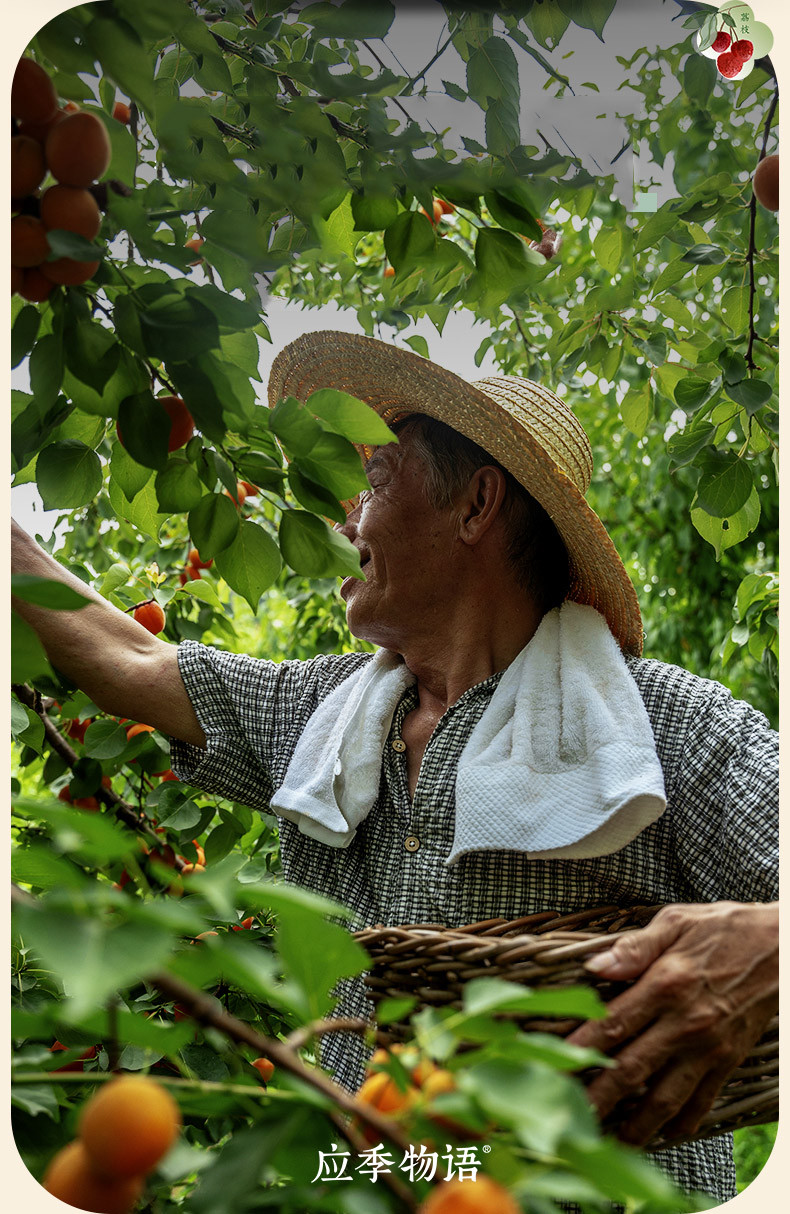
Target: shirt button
411,843
399,745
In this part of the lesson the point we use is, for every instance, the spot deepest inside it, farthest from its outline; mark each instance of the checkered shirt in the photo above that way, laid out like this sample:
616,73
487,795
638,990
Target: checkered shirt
716,840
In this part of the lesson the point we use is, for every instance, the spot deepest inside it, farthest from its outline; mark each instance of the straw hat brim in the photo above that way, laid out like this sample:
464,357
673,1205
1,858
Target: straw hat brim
397,382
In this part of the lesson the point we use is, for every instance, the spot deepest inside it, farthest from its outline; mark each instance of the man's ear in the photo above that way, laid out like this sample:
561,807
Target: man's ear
480,503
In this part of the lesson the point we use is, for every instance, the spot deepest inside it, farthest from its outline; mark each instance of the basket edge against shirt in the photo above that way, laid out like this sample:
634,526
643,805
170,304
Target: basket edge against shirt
432,963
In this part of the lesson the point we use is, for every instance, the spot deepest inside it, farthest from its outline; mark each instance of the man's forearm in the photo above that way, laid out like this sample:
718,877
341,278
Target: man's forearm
123,668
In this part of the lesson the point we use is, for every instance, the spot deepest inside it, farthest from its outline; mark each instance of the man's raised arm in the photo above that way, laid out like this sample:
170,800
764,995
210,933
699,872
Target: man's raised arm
123,668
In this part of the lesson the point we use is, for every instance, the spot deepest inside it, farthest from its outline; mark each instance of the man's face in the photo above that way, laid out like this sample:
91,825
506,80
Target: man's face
405,547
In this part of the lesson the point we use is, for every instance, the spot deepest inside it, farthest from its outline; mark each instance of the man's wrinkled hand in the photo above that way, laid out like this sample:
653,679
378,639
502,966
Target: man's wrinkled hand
707,981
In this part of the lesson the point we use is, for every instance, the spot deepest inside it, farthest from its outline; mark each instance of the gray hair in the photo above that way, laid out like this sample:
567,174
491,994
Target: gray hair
536,553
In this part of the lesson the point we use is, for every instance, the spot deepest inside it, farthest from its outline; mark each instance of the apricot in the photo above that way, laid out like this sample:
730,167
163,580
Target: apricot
134,730
66,272
129,1125
389,272
40,130
264,1067
29,246
195,245
70,209
182,427
33,96
27,166
239,497
194,868
448,208
151,616
17,280
78,149
121,112
194,560
766,183
71,1179
383,1093
189,574
36,287
480,1196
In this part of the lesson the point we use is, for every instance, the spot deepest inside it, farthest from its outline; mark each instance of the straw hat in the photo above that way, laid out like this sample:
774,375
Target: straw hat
526,427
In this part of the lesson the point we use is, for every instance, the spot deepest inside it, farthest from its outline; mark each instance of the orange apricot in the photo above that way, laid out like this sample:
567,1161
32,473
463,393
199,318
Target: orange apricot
766,183
70,209
33,96
27,166
195,561
78,149
264,1067
66,272
151,616
480,1196
17,280
29,246
71,1178
129,1125
182,427
121,112
36,287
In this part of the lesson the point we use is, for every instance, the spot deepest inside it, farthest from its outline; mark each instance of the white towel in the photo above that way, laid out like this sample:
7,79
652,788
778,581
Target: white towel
333,778
561,763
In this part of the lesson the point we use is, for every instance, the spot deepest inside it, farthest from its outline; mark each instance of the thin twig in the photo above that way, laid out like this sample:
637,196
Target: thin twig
317,1028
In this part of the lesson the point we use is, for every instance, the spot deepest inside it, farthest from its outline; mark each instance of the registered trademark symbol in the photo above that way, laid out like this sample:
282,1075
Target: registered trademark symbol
486,1150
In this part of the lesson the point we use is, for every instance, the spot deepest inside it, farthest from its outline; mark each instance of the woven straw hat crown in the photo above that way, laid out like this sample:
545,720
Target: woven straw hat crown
525,426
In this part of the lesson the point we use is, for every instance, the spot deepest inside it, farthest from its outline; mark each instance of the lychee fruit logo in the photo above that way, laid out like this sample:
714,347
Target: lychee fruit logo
734,39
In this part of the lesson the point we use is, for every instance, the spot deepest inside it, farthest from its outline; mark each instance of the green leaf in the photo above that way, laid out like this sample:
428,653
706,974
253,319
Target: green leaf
725,485
544,1106
750,394
250,563
353,19
492,73
653,347
105,740
635,409
654,228
144,429
692,392
123,57
589,14
354,419
335,464
315,954
548,23
69,244
705,255
497,994
24,333
685,446
699,77
213,524
735,308
733,365
373,212
177,327
229,312
503,265
338,233
178,487
420,346
409,240
46,370
143,512
28,659
509,213
125,472
294,425
91,958
609,247
68,474
314,497
313,549
46,593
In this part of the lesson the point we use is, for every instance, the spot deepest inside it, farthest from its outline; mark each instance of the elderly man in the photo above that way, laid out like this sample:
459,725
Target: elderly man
506,750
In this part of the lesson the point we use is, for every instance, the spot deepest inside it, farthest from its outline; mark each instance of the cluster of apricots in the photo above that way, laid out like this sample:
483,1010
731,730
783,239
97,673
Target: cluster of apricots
483,1195
125,1129
426,1082
70,146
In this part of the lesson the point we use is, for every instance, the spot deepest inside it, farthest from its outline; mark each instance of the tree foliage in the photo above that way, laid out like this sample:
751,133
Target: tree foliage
269,149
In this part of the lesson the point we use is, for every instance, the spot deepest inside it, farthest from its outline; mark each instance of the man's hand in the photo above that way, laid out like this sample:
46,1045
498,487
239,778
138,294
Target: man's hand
709,986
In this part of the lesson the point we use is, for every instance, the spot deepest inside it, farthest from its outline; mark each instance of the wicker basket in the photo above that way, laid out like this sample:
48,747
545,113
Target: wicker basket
432,963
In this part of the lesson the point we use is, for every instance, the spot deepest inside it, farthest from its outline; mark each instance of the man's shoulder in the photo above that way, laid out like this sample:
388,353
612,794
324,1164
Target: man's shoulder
672,694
